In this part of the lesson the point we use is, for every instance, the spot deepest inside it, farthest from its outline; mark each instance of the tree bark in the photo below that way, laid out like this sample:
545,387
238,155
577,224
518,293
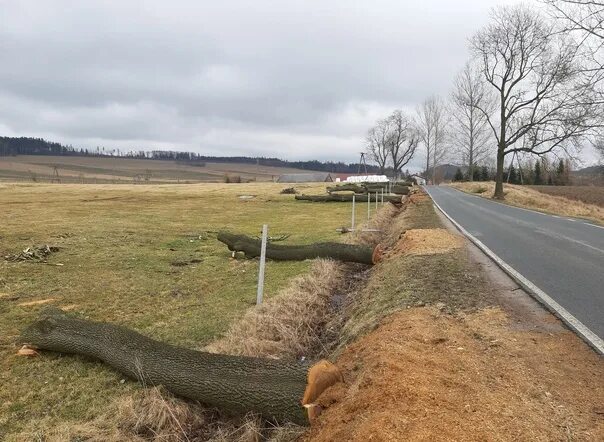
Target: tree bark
343,198
233,384
499,176
278,252
348,187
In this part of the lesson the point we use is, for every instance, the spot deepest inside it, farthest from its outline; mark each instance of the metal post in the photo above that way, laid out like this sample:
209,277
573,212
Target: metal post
353,211
368,205
376,201
260,291
382,196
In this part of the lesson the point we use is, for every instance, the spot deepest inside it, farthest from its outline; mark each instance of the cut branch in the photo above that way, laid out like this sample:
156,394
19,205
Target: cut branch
233,384
338,251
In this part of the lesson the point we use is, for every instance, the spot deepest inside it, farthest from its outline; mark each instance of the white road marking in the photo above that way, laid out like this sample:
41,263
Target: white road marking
573,323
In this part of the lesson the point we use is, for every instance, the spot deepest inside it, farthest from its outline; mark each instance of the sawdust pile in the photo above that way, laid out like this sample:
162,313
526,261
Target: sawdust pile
425,375
425,242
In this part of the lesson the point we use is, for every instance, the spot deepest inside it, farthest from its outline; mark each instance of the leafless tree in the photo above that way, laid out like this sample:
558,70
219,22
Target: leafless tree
377,144
402,141
541,102
584,20
432,129
392,141
470,133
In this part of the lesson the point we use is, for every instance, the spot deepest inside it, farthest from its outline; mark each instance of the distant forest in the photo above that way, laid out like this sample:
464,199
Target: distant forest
38,146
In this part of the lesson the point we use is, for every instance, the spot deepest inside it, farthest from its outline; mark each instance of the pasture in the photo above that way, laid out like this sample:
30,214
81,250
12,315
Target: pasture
587,194
141,256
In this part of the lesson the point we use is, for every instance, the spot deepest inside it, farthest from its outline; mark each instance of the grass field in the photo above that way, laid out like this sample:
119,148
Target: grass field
141,256
91,170
530,198
587,194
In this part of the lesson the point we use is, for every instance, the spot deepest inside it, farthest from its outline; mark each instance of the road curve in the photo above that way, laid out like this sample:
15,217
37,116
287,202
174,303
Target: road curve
564,257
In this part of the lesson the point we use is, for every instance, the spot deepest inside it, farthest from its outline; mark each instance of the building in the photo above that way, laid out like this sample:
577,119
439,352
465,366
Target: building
419,180
313,177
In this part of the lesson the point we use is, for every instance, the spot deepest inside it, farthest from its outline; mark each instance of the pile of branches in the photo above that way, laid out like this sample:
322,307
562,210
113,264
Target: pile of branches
35,253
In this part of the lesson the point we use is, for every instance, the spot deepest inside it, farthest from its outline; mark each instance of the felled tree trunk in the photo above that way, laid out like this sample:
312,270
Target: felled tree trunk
279,252
233,384
400,189
348,187
348,198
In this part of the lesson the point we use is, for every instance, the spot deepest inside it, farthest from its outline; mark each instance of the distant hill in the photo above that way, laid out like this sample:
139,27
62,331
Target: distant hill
592,175
10,146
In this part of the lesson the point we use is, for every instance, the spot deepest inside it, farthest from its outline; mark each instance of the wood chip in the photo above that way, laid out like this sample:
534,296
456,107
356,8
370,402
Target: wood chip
27,351
38,302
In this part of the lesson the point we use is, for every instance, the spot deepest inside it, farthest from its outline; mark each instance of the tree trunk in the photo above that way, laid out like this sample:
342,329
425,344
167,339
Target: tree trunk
347,187
233,384
499,175
278,252
347,198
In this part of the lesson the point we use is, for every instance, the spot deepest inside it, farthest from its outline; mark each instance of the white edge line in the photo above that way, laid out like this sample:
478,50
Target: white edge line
573,323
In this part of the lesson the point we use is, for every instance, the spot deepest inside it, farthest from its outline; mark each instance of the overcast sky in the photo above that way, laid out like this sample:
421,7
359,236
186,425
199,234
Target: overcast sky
293,79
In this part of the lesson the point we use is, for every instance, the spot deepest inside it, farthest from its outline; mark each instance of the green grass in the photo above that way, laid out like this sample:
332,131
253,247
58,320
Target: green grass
120,250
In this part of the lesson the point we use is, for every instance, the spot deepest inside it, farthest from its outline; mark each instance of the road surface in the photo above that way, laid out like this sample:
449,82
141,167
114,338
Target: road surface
564,257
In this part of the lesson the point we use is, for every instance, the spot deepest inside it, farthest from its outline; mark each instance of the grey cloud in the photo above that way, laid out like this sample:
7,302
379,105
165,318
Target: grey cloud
295,79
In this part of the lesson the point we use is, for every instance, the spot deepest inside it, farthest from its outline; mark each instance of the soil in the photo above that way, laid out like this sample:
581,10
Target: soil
427,375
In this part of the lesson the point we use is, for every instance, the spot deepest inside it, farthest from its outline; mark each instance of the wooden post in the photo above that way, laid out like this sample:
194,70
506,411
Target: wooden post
368,205
260,292
353,211
376,201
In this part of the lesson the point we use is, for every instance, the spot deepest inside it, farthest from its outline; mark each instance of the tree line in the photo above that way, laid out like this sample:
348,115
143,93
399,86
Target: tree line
10,146
532,91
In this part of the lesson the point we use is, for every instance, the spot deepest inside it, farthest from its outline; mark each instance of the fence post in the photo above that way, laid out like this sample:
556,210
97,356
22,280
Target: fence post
376,200
382,196
368,205
260,292
353,210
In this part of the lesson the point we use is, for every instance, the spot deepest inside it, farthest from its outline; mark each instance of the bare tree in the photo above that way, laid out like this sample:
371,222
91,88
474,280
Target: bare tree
542,104
584,20
402,141
377,144
432,128
470,133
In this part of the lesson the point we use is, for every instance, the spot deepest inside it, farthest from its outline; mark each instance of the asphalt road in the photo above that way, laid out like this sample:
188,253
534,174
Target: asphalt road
562,256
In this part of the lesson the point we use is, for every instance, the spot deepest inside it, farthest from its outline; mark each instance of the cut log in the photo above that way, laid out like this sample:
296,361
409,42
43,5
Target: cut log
279,252
233,384
342,198
400,190
347,187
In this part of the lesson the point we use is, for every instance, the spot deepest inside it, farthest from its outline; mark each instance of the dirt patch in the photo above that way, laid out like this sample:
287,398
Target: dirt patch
426,242
426,375
418,197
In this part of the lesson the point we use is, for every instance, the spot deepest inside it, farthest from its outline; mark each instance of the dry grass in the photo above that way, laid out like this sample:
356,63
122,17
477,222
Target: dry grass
290,324
526,197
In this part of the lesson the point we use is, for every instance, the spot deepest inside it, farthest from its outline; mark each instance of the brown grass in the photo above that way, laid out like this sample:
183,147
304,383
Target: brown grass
290,324
587,194
529,198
